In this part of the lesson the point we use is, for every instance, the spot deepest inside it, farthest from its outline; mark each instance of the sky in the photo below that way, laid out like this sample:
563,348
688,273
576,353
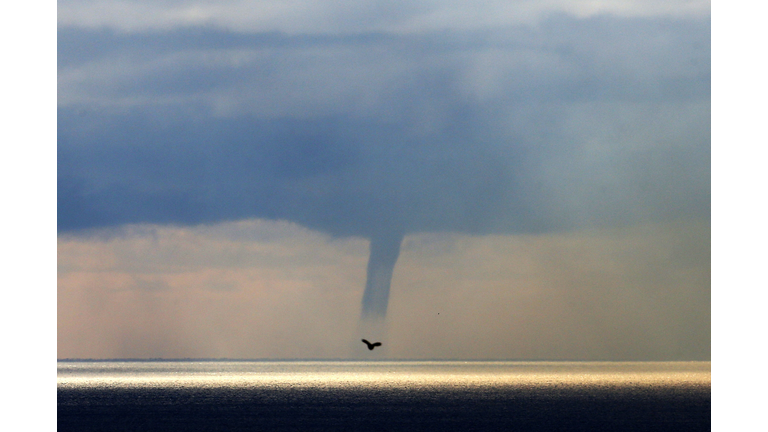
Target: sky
223,168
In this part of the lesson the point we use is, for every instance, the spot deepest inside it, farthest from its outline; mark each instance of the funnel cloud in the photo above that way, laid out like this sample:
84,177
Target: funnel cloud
381,265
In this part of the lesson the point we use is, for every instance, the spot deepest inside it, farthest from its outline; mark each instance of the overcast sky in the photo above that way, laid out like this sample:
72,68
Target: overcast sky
222,165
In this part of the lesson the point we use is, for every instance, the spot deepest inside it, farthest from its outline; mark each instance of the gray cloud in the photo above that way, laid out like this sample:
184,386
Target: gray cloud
563,124
274,74
307,16
599,120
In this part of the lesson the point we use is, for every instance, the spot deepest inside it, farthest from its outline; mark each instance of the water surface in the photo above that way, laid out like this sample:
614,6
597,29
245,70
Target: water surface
383,395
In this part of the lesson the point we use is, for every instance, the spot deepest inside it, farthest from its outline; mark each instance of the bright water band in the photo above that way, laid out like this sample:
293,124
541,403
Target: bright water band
383,395
382,373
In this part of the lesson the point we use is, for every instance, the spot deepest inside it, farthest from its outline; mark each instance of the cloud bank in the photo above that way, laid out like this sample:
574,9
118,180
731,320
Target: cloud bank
574,122
382,120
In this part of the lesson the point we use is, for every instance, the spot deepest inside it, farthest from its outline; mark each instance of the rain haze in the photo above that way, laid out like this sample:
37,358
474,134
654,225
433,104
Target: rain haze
482,180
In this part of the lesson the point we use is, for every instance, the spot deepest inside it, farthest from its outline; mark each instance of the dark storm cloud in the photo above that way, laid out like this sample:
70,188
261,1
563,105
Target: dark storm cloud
319,173
523,129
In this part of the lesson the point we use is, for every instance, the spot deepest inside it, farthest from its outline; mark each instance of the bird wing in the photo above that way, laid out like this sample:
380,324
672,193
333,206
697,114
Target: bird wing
377,344
366,342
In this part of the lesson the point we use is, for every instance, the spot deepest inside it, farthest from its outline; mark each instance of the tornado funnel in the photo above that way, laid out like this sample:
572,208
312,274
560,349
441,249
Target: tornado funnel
384,252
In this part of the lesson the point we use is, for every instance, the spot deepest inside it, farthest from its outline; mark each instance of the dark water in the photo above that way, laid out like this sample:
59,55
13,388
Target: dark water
383,396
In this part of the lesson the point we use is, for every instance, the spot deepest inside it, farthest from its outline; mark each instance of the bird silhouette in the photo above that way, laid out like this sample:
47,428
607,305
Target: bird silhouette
371,346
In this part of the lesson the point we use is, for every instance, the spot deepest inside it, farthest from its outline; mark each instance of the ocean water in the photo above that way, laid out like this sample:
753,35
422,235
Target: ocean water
383,396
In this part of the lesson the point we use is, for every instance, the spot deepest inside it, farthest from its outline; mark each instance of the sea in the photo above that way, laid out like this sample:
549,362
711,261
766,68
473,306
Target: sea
200,395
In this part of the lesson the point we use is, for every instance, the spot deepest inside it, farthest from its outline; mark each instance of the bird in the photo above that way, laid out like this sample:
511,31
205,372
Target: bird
371,346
